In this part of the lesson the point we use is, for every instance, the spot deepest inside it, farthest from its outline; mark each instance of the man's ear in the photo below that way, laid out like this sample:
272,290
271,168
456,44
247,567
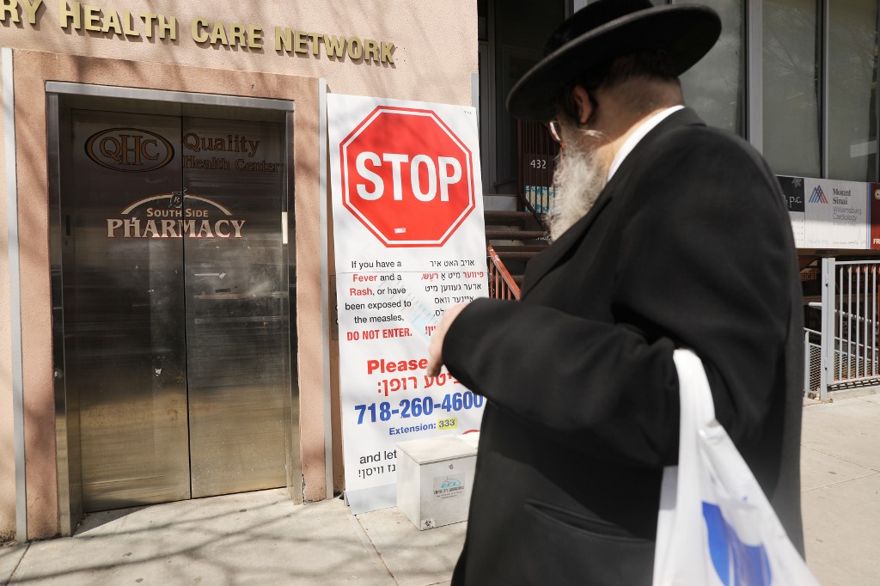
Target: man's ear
584,105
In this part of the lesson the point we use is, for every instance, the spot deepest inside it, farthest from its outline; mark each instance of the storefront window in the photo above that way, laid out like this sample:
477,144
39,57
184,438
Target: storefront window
714,86
852,71
791,87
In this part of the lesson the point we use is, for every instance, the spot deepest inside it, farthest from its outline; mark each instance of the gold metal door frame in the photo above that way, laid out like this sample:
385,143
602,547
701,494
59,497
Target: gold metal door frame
67,433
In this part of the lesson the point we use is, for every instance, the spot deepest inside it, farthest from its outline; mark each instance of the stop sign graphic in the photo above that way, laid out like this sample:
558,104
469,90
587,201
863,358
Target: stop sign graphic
407,177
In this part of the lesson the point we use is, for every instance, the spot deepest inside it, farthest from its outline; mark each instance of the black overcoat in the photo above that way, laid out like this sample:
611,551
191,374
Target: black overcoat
689,245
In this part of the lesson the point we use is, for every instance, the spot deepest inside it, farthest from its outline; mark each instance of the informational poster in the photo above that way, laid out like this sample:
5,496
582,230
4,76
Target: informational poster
409,238
836,214
833,215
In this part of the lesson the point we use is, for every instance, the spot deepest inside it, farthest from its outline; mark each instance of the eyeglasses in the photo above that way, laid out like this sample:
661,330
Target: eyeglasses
555,130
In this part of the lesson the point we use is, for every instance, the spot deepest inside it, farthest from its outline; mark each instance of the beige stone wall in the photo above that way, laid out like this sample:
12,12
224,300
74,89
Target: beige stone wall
33,69
7,450
434,57
435,42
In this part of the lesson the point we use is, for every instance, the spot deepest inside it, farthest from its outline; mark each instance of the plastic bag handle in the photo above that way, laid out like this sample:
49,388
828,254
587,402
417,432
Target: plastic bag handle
697,405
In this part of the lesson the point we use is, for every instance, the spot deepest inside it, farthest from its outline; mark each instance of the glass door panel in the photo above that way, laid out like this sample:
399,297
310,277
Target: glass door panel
237,319
124,307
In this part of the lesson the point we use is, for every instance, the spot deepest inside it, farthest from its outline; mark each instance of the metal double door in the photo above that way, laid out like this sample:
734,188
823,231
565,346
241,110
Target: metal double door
176,310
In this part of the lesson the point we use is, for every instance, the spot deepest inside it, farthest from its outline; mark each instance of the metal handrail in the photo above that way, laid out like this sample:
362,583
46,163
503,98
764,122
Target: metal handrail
840,312
539,218
856,262
501,284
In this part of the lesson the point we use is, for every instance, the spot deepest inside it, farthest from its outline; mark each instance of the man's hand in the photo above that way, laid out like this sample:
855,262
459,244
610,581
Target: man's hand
435,350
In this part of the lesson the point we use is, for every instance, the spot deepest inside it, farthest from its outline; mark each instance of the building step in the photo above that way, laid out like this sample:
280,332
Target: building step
521,248
508,217
508,234
500,202
525,255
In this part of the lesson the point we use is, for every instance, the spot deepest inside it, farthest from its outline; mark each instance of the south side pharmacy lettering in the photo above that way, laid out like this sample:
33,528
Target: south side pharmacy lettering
135,228
174,221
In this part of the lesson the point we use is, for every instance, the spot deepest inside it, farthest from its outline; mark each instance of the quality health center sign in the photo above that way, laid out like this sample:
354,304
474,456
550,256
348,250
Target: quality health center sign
409,237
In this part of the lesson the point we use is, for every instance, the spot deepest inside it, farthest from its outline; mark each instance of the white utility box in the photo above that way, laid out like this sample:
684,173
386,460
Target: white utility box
434,479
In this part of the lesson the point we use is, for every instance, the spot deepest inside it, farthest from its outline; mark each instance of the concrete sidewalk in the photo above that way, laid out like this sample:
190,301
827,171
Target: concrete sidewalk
260,538
252,538
840,480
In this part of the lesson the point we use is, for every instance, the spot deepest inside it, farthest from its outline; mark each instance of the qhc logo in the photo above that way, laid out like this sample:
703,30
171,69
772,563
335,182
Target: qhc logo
129,150
164,216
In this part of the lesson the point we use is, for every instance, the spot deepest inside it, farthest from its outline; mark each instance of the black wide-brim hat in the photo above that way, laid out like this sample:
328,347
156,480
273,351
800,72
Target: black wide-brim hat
605,30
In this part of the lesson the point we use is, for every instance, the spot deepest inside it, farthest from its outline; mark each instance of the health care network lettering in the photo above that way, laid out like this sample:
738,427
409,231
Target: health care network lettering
205,32
173,221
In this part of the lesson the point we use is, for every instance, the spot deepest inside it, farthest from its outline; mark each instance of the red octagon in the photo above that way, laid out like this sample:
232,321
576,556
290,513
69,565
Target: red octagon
407,177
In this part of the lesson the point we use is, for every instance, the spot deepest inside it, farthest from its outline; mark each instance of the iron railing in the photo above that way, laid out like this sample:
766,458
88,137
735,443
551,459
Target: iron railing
812,362
850,337
502,285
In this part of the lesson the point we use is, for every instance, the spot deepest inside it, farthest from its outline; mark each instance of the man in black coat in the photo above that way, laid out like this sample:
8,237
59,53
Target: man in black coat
668,234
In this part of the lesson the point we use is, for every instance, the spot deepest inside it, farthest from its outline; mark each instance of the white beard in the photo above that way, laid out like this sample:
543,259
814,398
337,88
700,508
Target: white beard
578,180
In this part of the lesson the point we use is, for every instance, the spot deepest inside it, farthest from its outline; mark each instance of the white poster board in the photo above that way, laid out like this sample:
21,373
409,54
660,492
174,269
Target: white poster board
409,239
826,213
836,214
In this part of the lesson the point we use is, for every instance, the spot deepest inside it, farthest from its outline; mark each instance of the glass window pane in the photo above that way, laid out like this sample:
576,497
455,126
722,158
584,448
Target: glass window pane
791,87
714,86
852,68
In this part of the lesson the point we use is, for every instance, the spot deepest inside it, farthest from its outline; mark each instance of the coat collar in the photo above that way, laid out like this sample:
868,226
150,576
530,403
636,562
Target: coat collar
547,260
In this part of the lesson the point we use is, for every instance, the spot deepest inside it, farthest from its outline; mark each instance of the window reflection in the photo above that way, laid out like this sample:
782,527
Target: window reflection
714,86
791,87
852,71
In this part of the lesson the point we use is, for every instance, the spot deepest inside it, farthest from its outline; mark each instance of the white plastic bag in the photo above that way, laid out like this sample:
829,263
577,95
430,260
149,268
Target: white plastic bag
715,525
